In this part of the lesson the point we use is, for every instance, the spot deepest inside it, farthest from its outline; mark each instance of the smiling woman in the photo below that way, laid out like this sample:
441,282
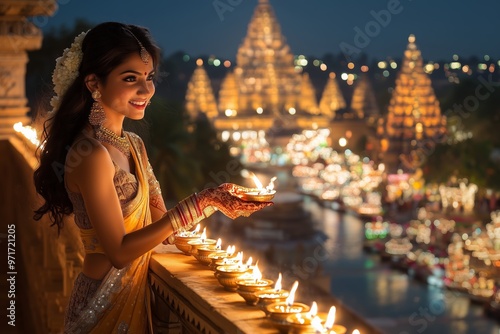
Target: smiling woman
92,168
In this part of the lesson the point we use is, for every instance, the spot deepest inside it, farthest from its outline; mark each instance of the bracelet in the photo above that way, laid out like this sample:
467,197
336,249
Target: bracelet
185,214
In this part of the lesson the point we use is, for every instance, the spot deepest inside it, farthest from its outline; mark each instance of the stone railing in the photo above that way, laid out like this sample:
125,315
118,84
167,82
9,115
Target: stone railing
187,298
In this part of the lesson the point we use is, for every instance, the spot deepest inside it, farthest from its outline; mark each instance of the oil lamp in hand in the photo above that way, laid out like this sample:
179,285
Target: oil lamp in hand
259,194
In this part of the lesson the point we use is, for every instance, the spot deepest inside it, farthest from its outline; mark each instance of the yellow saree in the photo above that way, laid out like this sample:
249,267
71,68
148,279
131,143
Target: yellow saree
121,302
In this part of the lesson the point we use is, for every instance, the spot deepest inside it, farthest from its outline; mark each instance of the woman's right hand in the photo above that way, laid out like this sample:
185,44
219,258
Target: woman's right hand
225,199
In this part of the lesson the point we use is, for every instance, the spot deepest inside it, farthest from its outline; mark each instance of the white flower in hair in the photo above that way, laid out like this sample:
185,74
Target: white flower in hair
66,70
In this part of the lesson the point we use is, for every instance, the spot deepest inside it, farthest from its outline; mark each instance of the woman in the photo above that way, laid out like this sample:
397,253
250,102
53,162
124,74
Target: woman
90,167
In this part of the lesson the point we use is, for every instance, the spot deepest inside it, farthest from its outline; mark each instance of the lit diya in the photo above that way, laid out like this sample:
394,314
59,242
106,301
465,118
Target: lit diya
182,238
200,242
217,258
330,325
279,311
228,275
229,261
313,322
248,286
203,253
269,296
258,194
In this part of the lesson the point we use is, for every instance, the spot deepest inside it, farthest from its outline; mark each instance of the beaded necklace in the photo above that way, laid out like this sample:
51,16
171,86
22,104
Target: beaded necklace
105,135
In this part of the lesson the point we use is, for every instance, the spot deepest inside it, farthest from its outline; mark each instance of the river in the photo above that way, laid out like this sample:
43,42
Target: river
387,298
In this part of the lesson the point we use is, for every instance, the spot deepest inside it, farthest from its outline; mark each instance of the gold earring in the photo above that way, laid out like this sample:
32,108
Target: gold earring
96,95
97,115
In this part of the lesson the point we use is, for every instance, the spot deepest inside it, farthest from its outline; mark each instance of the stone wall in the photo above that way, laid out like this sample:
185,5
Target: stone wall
45,263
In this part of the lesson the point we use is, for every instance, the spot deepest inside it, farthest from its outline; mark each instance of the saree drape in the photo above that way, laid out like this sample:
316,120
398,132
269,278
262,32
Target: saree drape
120,304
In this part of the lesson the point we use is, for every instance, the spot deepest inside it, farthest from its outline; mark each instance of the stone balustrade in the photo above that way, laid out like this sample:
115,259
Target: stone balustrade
187,298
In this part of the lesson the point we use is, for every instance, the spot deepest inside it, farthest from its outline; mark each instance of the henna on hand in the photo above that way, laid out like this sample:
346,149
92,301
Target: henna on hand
225,200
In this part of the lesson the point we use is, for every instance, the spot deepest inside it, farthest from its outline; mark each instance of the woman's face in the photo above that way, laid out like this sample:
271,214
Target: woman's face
128,89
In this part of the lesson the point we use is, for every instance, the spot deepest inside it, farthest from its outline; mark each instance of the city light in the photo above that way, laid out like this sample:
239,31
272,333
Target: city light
28,132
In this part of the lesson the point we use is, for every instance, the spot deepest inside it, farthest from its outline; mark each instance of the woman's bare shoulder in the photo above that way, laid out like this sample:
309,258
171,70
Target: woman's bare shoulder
87,159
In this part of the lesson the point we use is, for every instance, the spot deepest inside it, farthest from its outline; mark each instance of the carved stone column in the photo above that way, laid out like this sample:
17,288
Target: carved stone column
17,36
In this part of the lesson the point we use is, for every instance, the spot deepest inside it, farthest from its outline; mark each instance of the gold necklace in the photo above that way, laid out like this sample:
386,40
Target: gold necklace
105,135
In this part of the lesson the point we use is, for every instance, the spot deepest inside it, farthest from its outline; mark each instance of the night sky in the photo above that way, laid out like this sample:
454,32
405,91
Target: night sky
313,27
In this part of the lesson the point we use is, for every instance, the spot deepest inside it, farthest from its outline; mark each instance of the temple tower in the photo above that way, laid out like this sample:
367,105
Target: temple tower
17,36
229,94
363,103
265,66
307,97
199,95
331,98
268,82
414,120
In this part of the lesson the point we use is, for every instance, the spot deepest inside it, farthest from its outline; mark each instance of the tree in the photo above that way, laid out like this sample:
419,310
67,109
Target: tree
169,142
216,164
472,137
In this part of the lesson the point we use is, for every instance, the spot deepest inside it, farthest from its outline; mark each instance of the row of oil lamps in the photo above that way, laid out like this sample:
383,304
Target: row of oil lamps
246,279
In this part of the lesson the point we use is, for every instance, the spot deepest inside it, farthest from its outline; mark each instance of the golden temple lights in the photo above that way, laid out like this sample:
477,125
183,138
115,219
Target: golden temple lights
412,95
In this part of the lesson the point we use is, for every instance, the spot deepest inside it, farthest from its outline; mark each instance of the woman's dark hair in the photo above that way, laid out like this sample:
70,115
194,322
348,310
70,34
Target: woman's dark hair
104,47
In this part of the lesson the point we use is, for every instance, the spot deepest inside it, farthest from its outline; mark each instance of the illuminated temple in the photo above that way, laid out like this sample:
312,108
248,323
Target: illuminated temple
363,103
267,90
264,88
414,122
199,96
331,99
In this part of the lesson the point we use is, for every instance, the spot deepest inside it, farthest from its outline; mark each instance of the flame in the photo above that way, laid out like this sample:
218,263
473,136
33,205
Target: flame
316,323
299,318
218,244
291,297
313,311
258,184
331,318
230,250
256,274
239,258
204,234
249,262
197,229
355,332
277,286
28,132
270,186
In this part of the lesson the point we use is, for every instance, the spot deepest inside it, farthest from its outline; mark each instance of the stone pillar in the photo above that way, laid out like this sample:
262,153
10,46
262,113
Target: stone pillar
17,36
